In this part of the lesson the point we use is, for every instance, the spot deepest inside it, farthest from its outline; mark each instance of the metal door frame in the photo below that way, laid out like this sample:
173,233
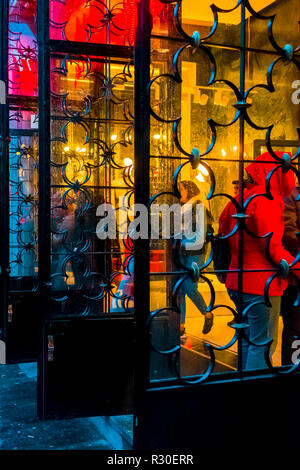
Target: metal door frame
4,175
168,414
48,46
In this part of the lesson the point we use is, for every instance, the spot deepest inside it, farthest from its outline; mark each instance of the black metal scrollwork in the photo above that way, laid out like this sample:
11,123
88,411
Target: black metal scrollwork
194,157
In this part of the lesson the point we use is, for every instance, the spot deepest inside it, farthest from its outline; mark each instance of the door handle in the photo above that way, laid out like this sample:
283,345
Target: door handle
50,348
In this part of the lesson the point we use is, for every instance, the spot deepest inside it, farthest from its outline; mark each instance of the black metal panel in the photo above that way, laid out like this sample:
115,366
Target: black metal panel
142,164
22,327
89,367
106,50
229,414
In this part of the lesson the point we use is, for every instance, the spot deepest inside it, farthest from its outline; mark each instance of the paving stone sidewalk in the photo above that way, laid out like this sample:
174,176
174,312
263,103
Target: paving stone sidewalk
20,429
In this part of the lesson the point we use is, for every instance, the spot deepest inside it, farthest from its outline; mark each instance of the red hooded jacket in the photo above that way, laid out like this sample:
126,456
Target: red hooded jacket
265,216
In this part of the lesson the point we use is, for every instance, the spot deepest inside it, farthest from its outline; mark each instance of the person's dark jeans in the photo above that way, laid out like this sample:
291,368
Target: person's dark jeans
291,324
263,325
190,288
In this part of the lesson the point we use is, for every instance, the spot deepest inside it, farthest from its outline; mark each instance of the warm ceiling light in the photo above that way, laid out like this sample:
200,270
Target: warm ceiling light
127,161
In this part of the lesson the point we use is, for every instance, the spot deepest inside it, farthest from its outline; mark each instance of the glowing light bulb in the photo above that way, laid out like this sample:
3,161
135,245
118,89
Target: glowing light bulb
127,161
156,136
223,153
114,137
235,148
66,149
77,149
82,150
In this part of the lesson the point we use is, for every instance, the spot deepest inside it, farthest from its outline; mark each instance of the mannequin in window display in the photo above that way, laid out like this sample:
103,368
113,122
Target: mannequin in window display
290,313
265,216
193,252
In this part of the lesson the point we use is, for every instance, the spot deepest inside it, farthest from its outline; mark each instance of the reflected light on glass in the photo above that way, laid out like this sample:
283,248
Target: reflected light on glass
202,170
203,99
200,178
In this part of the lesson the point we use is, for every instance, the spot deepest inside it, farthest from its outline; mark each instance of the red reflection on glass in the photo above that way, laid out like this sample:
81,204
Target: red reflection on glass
94,21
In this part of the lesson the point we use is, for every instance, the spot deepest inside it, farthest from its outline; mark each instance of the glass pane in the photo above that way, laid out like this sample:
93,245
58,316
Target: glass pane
23,156
92,170
195,96
285,26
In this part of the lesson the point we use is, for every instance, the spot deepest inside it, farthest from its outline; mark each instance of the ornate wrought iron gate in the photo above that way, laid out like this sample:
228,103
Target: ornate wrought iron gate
215,82
19,177
86,93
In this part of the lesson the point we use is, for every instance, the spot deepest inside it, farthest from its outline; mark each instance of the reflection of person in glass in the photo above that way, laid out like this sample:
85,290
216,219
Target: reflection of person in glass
190,198
63,225
264,216
290,313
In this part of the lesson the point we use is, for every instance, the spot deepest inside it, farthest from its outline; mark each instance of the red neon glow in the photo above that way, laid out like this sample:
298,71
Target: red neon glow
77,19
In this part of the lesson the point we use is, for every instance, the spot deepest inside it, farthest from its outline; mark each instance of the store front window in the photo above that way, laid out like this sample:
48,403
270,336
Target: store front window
221,94
205,115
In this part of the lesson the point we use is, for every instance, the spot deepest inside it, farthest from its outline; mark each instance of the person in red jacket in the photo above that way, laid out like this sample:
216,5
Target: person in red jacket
290,313
264,217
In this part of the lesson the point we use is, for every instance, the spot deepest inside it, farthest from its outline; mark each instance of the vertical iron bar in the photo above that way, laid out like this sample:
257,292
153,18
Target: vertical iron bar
4,170
44,189
142,191
241,177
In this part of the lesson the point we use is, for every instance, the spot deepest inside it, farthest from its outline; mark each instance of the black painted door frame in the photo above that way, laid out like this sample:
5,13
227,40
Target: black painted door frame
220,411
80,380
